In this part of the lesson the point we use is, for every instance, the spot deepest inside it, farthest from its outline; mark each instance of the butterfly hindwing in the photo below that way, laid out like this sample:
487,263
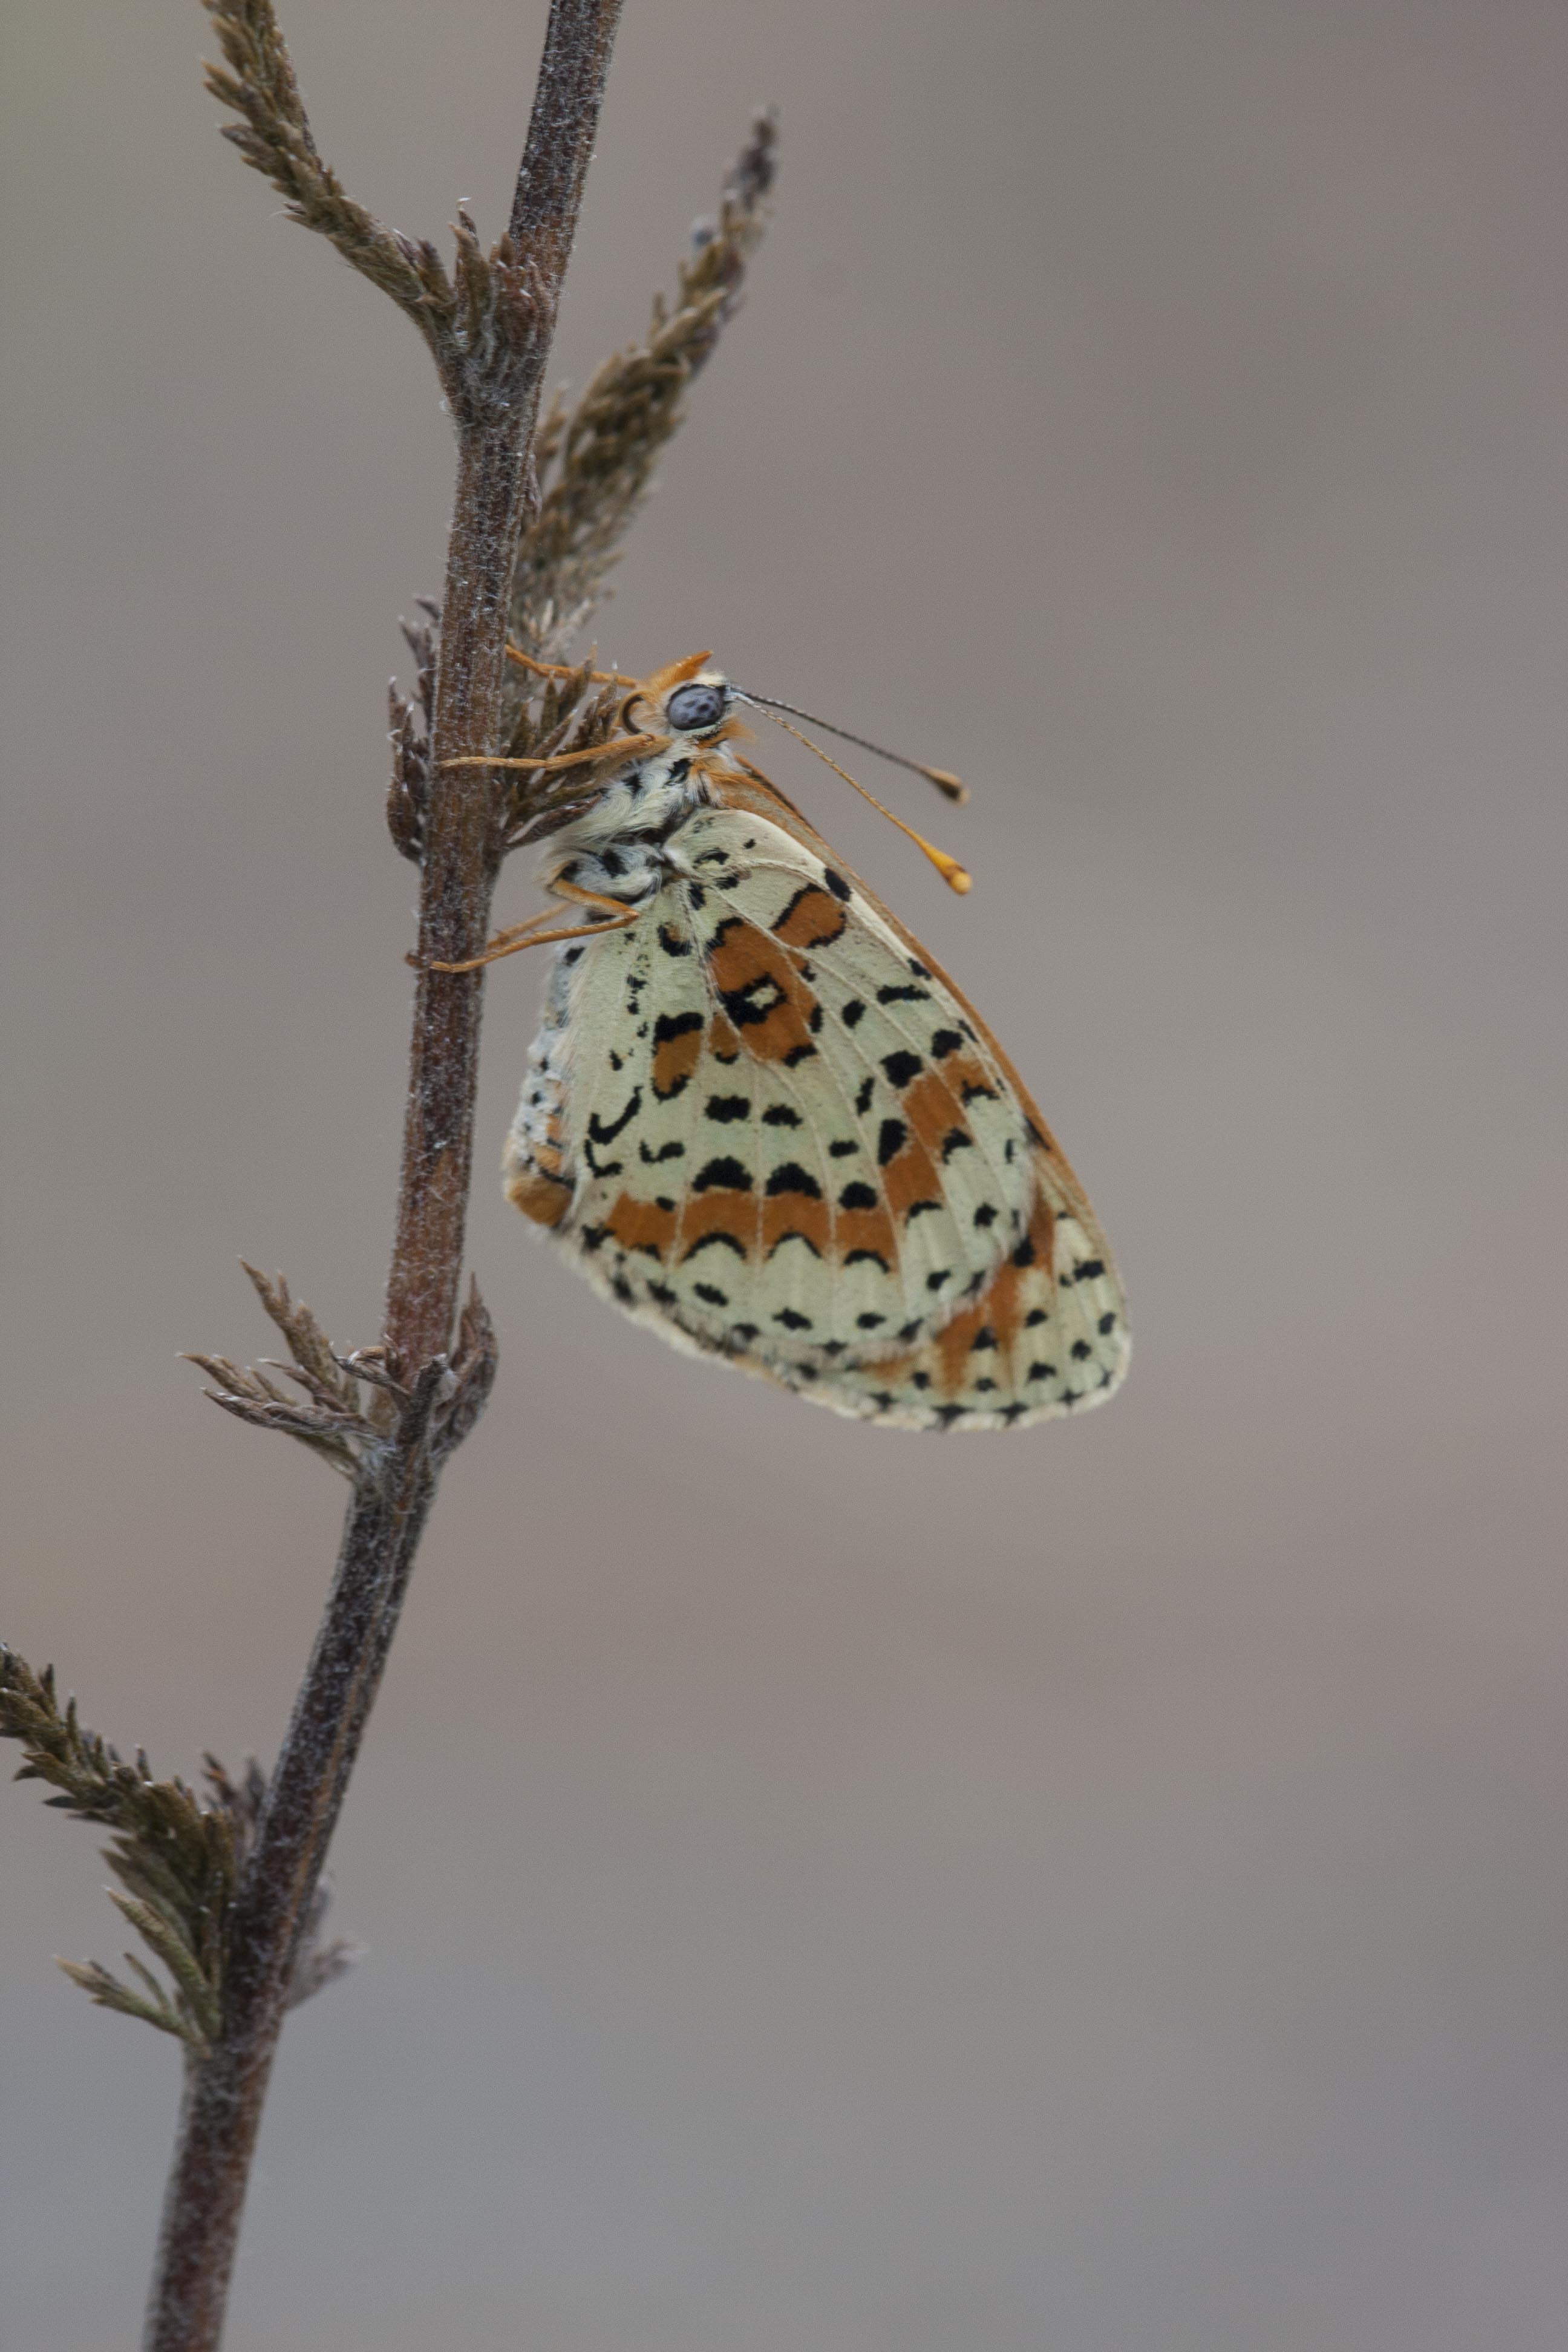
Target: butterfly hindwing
761,1119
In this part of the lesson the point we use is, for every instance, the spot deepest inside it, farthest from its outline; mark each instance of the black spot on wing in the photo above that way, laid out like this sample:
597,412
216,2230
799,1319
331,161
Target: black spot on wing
792,1178
836,883
597,1130
890,1141
781,1115
795,1234
713,1241
675,1024
727,1175
727,1107
901,1067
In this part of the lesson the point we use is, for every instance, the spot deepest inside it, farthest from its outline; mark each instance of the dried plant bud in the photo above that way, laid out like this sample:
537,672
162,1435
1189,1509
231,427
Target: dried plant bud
273,134
331,1419
481,323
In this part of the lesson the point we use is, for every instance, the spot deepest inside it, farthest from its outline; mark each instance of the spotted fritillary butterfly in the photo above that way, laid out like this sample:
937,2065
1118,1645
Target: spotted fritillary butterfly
761,1120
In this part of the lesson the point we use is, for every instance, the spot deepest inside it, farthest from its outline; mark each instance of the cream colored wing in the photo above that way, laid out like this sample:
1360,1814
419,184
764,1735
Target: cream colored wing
761,1121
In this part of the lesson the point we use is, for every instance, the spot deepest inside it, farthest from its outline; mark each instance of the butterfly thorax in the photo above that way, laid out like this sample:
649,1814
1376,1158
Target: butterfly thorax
618,847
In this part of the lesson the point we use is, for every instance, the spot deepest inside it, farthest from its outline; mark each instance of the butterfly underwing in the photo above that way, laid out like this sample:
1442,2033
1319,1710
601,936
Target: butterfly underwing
761,1120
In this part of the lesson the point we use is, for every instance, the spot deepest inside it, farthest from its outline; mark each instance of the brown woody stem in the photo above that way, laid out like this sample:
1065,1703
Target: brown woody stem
492,378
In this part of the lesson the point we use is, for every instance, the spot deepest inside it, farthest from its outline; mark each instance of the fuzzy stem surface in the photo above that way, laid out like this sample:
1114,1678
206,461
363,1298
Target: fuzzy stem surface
492,380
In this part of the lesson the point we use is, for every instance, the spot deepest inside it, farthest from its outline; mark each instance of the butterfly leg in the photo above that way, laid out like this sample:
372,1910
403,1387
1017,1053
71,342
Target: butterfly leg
523,935
623,747
563,670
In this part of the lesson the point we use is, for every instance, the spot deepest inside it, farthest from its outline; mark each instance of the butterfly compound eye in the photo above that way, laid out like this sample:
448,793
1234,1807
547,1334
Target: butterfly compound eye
691,709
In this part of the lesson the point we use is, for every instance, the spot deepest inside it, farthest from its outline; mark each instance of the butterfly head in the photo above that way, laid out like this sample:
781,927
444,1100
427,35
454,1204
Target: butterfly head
690,702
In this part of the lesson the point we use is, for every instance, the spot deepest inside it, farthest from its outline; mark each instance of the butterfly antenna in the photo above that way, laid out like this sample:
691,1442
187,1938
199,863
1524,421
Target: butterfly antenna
951,872
946,783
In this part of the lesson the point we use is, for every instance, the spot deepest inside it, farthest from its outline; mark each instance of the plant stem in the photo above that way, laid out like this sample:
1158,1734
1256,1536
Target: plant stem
493,395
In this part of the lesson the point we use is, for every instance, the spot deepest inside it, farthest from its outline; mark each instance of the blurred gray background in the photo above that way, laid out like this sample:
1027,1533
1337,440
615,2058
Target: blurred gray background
1105,1888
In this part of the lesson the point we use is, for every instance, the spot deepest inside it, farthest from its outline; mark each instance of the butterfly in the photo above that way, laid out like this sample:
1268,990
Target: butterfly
761,1119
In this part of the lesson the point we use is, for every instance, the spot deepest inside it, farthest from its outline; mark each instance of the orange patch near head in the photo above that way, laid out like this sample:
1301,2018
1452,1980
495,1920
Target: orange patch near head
675,673
764,998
